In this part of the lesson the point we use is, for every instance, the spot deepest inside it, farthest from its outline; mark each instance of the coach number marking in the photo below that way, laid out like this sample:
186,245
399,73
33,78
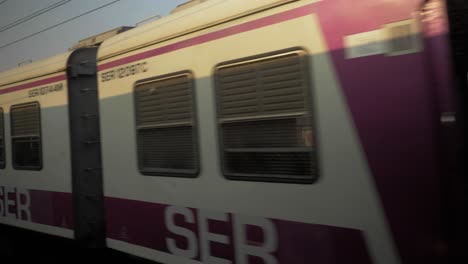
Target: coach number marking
124,72
45,90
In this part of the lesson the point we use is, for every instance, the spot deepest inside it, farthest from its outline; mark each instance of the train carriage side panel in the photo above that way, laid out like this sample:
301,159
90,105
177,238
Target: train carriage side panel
36,183
54,184
147,214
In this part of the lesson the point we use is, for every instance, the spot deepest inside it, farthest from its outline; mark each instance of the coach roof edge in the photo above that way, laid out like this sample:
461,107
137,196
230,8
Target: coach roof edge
202,15
34,69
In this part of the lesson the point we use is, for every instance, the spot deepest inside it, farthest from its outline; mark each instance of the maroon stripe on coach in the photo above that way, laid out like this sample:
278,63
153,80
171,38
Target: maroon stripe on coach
33,84
146,224
37,206
52,208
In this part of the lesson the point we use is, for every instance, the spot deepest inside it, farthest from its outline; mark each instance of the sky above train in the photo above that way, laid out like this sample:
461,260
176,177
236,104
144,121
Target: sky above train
31,30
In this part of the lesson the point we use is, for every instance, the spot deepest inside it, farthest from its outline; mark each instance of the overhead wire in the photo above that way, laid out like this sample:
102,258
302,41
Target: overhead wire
59,24
2,2
33,15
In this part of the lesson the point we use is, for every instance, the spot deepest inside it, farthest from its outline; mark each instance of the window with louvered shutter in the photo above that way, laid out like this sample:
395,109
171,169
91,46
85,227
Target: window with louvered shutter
165,123
265,120
26,136
2,140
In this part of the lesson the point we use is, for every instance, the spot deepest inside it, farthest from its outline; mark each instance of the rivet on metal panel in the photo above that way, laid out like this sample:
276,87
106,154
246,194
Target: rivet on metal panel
91,141
88,116
85,90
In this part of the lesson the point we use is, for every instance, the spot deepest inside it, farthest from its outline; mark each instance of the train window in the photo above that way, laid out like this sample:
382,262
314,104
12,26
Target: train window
26,136
265,118
166,126
2,140
403,37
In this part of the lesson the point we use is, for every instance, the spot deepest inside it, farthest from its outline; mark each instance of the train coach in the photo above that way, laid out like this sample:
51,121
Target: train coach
231,131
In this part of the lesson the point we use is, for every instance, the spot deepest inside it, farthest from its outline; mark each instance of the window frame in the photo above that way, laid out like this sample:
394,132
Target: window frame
311,110
177,173
414,37
13,149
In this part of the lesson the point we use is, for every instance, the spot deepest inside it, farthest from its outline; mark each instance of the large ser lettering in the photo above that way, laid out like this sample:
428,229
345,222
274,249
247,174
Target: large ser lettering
15,203
201,248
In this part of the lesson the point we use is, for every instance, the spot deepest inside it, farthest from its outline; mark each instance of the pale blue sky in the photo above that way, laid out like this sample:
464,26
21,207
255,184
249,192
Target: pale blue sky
59,39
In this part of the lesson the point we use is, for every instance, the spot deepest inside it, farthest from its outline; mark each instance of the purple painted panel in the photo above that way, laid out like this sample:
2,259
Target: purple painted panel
435,24
152,225
52,208
395,111
438,53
